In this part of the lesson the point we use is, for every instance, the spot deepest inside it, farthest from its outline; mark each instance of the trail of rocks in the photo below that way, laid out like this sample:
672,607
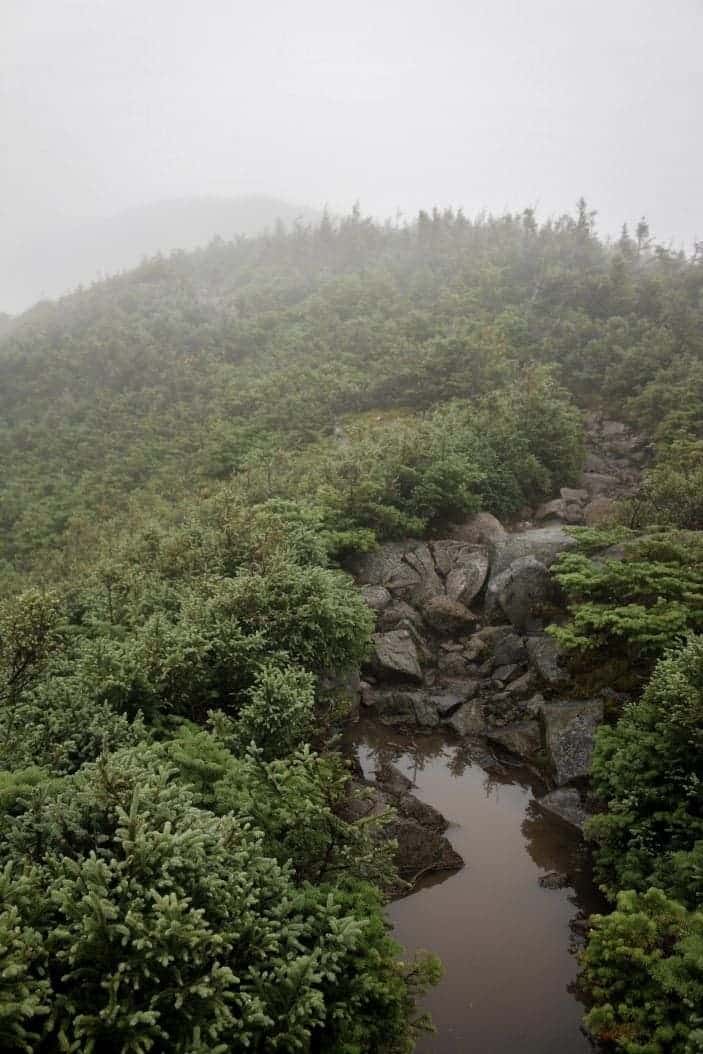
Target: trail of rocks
460,638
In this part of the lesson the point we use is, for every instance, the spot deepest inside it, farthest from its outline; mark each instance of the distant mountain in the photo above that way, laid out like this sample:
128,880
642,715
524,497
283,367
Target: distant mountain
77,254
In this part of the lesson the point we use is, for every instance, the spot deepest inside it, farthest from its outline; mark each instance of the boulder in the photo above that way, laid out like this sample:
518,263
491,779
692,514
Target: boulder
511,649
504,674
416,828
453,665
570,729
446,702
544,543
445,615
474,649
464,566
397,706
468,720
597,483
520,687
553,880
525,594
414,809
547,658
420,849
405,569
377,567
395,656
420,560
573,495
565,804
392,779
524,738
551,510
610,429
599,510
400,614
376,597
481,529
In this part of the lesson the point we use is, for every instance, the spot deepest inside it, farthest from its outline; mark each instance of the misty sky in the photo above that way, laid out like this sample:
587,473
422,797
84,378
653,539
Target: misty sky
109,104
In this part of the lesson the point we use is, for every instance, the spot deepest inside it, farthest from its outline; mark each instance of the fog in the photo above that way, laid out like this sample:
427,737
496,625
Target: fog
110,105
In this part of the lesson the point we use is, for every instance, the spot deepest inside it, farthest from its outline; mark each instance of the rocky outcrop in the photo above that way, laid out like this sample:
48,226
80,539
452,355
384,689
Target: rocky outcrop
569,731
481,529
461,621
523,739
548,660
525,594
416,827
395,656
447,616
565,804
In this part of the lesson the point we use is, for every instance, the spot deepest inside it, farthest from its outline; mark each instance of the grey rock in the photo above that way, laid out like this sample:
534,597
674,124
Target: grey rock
524,738
392,779
412,808
570,729
551,510
544,543
468,719
377,567
475,648
504,674
396,706
525,594
447,616
599,510
521,686
376,597
453,665
613,428
399,613
446,702
405,569
579,496
420,849
547,659
481,529
565,804
416,828
395,655
597,483
553,880
430,585
467,573
511,649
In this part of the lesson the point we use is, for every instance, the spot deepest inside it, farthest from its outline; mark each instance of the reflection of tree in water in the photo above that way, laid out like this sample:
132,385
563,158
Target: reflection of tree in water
389,746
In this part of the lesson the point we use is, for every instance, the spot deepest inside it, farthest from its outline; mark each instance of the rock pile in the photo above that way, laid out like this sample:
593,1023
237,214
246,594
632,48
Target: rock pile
460,638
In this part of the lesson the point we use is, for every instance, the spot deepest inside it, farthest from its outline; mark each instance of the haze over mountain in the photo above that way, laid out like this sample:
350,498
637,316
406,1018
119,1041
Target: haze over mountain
72,252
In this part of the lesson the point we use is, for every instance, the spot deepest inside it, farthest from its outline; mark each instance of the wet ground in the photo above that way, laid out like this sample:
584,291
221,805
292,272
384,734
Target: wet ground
505,941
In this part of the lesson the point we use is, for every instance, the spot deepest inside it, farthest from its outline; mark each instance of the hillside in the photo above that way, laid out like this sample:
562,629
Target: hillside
195,458
184,370
78,253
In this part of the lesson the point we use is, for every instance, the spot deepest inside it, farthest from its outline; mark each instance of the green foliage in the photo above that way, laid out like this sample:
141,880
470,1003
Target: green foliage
649,769
206,365
644,971
643,967
168,927
672,492
28,633
644,597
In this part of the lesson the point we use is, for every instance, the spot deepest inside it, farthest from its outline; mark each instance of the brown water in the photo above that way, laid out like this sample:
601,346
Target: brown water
505,941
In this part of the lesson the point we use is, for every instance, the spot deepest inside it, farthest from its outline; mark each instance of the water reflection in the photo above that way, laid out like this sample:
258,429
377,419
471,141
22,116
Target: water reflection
505,940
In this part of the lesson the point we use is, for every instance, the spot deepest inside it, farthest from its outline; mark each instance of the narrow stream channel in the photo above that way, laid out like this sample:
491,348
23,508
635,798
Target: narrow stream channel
504,940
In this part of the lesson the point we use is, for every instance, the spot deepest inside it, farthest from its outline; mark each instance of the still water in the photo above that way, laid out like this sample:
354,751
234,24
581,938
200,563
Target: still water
505,941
